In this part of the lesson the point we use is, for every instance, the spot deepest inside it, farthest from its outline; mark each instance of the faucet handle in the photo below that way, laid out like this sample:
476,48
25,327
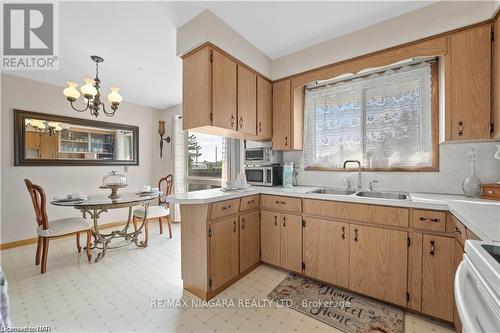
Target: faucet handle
348,183
372,183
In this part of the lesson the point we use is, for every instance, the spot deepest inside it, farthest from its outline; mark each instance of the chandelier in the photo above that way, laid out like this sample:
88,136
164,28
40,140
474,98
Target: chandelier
91,94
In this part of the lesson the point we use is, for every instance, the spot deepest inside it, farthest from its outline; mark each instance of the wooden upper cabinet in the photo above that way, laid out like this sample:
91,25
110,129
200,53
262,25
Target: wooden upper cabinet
224,91
264,108
249,240
32,140
247,101
196,89
282,115
326,251
374,268
438,271
223,251
469,78
288,116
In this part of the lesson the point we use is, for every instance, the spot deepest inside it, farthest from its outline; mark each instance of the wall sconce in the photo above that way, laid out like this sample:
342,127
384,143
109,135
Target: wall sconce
161,131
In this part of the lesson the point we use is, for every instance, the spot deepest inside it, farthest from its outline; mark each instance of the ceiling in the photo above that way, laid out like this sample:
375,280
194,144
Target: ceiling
137,39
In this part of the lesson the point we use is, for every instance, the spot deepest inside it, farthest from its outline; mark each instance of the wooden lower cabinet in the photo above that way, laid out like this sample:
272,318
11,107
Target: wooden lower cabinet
270,237
291,242
438,272
378,263
459,254
224,263
281,240
249,240
326,251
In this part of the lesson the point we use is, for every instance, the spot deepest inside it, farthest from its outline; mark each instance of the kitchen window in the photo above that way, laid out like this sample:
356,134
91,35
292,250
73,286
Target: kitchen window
386,119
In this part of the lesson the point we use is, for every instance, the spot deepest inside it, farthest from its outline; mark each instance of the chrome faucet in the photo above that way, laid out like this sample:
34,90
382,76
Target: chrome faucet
359,170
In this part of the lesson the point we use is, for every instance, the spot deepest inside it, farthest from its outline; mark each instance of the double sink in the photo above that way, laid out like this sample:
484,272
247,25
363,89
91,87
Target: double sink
366,194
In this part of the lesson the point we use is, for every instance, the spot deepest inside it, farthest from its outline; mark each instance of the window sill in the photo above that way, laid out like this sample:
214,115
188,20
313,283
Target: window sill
395,169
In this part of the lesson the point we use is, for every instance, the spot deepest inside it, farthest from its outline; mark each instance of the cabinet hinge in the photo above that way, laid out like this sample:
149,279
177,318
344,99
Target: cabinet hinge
492,36
211,116
211,56
303,266
210,282
303,223
409,241
209,232
492,128
407,297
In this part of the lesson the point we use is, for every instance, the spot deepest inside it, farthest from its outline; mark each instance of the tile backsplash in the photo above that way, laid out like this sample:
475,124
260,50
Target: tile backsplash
453,169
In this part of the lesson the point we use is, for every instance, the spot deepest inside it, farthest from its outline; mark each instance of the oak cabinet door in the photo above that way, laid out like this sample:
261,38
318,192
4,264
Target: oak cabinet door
223,251
223,91
196,92
32,140
48,146
378,263
247,101
249,240
438,272
326,251
282,115
270,237
291,242
264,108
470,70
459,254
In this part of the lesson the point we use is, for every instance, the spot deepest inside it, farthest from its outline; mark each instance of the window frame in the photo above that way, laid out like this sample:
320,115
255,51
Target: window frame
434,167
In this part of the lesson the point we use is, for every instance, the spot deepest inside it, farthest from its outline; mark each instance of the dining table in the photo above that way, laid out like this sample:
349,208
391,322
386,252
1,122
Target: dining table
95,205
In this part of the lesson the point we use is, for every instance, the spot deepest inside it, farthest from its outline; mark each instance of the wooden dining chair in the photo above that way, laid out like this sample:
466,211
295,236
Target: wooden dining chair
160,212
47,230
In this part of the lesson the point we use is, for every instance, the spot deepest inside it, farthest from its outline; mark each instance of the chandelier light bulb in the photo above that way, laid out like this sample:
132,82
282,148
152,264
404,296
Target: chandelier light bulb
114,97
88,90
71,92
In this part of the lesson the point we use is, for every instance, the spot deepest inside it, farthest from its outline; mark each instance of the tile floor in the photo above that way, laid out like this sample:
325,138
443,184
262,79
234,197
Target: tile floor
116,294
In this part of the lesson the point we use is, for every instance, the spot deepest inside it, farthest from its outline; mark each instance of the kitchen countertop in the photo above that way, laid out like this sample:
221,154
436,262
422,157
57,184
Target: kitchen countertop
482,217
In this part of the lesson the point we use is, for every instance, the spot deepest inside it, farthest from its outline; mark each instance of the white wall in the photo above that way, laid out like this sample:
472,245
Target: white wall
207,27
17,216
453,169
427,21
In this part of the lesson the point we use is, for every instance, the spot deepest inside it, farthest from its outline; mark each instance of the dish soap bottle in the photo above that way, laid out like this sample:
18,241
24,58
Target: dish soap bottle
472,185
288,175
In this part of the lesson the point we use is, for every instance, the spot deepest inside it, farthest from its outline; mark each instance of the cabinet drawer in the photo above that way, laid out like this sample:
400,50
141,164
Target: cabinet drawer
282,203
491,191
454,226
224,208
250,202
428,220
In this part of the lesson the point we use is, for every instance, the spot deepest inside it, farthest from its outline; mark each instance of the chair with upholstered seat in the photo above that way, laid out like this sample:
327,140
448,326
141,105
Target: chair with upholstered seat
162,211
56,228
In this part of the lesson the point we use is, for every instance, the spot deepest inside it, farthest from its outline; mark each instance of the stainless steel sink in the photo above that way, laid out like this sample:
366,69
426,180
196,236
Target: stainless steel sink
383,195
337,191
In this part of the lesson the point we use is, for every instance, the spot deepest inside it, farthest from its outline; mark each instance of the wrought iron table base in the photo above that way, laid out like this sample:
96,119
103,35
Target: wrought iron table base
101,240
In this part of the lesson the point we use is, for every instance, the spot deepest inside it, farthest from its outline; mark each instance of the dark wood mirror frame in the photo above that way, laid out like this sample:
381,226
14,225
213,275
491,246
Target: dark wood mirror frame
20,140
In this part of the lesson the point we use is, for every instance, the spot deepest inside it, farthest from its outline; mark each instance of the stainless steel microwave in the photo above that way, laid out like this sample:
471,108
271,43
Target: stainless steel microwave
264,175
262,155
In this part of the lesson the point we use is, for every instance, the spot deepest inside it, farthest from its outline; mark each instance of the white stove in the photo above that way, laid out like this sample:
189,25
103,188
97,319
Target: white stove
477,288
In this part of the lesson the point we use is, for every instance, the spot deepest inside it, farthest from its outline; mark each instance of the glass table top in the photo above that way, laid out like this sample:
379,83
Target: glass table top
125,199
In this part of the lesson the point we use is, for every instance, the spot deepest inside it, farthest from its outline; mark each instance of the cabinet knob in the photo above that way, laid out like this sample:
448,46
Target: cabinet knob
457,230
432,243
260,127
427,219
343,232
243,223
232,120
275,220
490,192
284,221
355,235
460,128
241,123
234,226
286,141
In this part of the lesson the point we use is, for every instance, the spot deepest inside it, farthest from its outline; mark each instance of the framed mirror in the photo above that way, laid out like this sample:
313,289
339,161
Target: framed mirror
47,139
